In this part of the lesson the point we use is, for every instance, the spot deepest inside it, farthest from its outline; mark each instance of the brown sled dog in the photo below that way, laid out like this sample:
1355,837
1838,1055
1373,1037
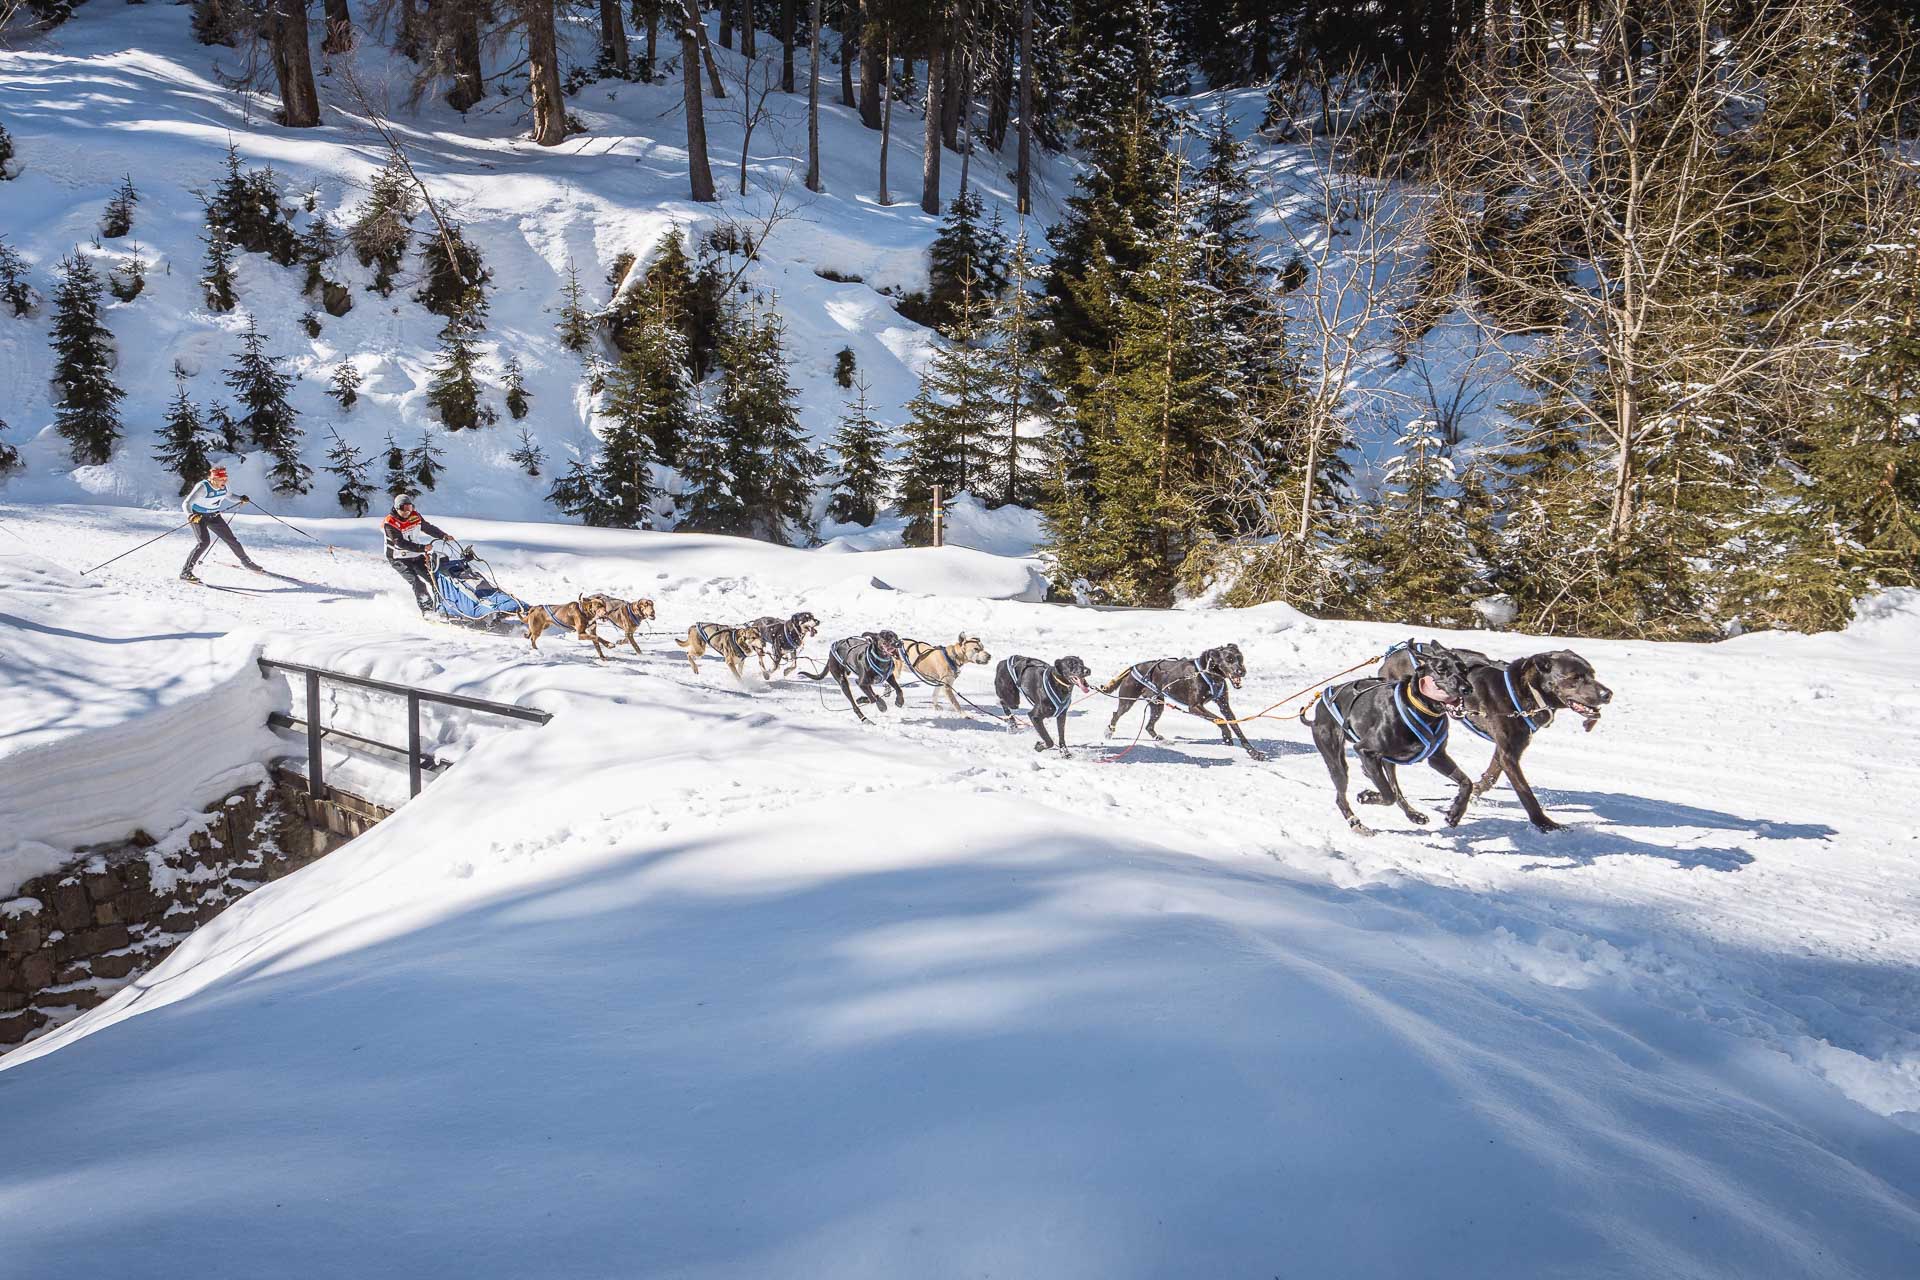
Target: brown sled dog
576,615
624,614
940,664
735,644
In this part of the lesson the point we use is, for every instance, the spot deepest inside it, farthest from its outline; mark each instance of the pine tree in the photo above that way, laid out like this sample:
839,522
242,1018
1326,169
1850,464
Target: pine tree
184,440
247,204
385,225
88,416
750,473
425,461
860,488
528,456
843,367
576,325
217,281
1415,550
948,435
515,380
344,385
319,245
965,256
118,219
225,430
690,297
574,493
1016,467
261,387
350,465
398,478
650,388
14,289
456,278
453,391
6,155
9,456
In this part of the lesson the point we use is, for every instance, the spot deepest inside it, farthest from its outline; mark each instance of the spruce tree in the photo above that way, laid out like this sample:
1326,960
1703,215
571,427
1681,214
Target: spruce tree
9,456
1416,557
1017,468
88,413
247,203
183,440
118,219
225,430
456,278
843,367
6,155
575,325
261,387
344,385
751,472
15,292
528,455
216,281
650,389
319,245
347,462
514,378
381,232
425,461
948,435
453,391
574,493
966,256
860,486
690,297
398,478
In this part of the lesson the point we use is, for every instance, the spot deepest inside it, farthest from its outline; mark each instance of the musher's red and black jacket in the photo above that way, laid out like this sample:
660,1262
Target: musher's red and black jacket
396,527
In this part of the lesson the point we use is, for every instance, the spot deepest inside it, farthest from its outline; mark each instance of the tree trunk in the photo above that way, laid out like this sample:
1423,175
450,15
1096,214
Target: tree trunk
407,37
936,98
849,48
749,32
543,74
954,105
699,175
339,36
886,112
813,105
966,119
653,37
786,45
613,37
1024,203
293,64
714,81
1000,110
726,24
873,72
469,84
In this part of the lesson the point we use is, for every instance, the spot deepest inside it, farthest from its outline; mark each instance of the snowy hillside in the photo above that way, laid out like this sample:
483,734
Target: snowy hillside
709,979
119,91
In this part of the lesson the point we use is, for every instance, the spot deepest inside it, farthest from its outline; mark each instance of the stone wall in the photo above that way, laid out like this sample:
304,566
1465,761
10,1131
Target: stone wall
70,939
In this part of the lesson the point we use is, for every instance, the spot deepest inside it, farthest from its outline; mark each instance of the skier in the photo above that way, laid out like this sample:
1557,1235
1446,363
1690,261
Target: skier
409,558
203,505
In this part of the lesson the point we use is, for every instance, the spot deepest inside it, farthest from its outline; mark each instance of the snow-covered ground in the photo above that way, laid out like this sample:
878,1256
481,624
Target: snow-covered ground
709,979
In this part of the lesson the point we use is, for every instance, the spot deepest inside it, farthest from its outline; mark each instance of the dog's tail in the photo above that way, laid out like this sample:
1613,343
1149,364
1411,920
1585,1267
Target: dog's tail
683,641
821,674
1114,683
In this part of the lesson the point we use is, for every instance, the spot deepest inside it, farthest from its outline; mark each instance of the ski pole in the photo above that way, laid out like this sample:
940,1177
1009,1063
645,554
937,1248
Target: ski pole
149,542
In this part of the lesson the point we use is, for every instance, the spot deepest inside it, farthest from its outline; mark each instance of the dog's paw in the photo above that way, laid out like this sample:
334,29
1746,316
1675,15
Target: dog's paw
1360,828
1548,824
1371,796
1417,818
1255,753
1041,746
1455,814
1481,788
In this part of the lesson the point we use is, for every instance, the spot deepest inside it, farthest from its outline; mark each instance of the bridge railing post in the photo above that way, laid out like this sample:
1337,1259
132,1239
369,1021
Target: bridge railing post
316,781
413,743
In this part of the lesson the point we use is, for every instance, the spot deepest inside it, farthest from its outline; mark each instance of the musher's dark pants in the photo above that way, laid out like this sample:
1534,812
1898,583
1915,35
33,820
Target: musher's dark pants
203,530
414,570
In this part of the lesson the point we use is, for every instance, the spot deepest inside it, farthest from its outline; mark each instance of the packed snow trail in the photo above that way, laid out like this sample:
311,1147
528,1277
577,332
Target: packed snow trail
706,978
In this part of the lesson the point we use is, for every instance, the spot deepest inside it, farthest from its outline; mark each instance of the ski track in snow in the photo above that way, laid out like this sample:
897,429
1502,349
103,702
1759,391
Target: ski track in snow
1727,926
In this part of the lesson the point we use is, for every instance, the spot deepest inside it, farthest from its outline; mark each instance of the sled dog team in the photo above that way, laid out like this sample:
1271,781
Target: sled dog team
1398,716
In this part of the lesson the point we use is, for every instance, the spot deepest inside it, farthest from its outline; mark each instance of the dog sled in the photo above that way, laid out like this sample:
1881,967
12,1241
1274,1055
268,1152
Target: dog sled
466,596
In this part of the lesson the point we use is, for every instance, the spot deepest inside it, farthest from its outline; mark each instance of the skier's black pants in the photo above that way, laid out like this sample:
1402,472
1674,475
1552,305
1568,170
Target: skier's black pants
414,570
203,530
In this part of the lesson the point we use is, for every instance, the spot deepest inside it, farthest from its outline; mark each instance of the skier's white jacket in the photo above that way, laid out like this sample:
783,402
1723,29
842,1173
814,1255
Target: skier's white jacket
205,499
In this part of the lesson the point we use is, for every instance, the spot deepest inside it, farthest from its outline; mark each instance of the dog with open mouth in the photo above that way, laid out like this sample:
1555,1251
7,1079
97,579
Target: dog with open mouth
1045,689
1191,682
864,660
940,665
780,641
1391,723
1512,701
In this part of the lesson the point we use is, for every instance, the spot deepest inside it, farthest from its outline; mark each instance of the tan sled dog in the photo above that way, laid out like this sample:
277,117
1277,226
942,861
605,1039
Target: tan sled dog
735,644
576,615
940,664
624,614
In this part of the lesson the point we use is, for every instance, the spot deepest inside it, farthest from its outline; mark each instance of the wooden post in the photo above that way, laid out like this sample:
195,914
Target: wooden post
316,783
939,519
413,743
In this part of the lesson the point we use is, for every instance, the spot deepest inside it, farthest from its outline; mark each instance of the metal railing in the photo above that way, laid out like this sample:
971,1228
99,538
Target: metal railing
417,760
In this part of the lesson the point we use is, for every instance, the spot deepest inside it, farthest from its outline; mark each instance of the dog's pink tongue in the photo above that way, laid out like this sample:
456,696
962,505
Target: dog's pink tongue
1430,690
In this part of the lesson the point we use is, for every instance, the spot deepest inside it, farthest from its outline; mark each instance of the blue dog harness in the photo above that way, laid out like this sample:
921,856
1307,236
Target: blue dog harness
1429,731
1526,717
